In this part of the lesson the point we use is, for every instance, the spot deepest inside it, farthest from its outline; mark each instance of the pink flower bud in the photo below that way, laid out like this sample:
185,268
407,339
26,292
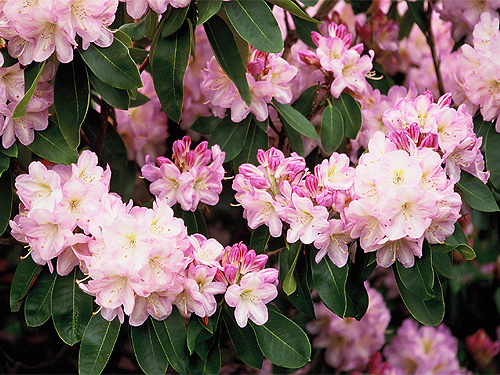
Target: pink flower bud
270,275
482,348
260,182
445,100
190,158
256,66
310,58
230,272
312,185
315,36
431,140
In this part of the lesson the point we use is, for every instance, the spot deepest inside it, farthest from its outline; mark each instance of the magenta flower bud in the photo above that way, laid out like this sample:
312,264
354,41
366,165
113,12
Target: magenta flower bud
482,348
431,140
247,262
445,100
219,276
179,149
358,48
201,148
414,132
262,157
429,96
312,185
230,273
249,170
162,160
310,58
256,66
259,262
316,37
237,252
260,182
270,275
190,158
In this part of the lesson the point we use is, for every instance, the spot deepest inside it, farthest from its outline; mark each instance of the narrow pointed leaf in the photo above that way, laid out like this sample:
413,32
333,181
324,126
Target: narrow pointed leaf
205,125
4,163
71,99
330,282
11,151
51,145
148,350
417,11
6,200
282,341
294,9
294,138
303,29
259,239
357,295
168,67
255,22
37,308
419,279
351,113
256,139
71,307
113,65
332,129
305,101
458,241
27,270
174,21
492,156
226,52
206,9
194,221
196,333
286,273
117,98
34,69
295,119
97,345
136,31
443,263
172,335
476,193
230,136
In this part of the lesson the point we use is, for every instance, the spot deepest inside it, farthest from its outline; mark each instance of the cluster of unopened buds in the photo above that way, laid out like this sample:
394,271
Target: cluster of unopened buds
139,261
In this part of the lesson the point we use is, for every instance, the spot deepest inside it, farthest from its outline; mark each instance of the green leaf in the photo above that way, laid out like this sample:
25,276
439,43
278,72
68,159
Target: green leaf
205,125
330,282
294,138
34,69
209,361
443,263
419,279
458,241
417,11
305,101
4,164
258,240
136,31
51,145
332,129
194,221
206,9
282,341
71,99
226,52
294,9
6,200
351,113
196,333
172,335
492,155
243,339
37,308
429,312
113,65
303,29
295,119
476,193
147,349
357,296
71,307
174,21
286,274
124,38
255,22
116,98
123,181
11,151
139,100
230,136
168,67
405,25
256,139
497,299
26,272
97,345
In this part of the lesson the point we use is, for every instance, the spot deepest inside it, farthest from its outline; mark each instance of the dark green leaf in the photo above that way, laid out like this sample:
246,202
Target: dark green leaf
6,200
282,341
255,22
205,125
481,127
124,38
406,25
458,241
71,307
294,138
309,3
35,70
116,98
256,139
419,279
476,193
230,136
207,9
168,66
123,181
492,156
443,263
497,299
226,52
208,362
174,21
51,145
147,349
294,9
357,296
351,112
37,308
429,312
417,11
172,335
138,100
194,221
295,119
332,129
97,345
113,65
71,99
11,151
360,6
259,239
27,270
305,101
330,282
286,273
137,31
263,125
196,333
4,165
303,29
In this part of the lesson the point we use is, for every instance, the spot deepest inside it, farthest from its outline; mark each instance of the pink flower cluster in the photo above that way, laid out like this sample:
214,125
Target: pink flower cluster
137,8
268,77
280,191
349,343
37,113
194,176
341,62
140,261
37,28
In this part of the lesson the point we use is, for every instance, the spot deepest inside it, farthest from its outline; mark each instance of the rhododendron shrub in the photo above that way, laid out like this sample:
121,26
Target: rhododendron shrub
252,185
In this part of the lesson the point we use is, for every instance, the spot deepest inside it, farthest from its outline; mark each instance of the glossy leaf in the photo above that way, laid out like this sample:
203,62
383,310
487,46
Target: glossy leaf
476,193
417,11
147,349
97,345
206,9
205,125
35,70
27,270
194,221
255,22
37,307
6,200
137,30
196,333
286,273
305,101
11,151
226,52
124,38
168,67
259,239
113,65
458,241
172,335
256,139
356,293
4,163
208,362
443,263
351,113
492,155
123,181
71,99
282,341
174,21
294,9
429,312
71,307
230,136
330,282
295,120
116,98
332,129
294,138
51,145
303,29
